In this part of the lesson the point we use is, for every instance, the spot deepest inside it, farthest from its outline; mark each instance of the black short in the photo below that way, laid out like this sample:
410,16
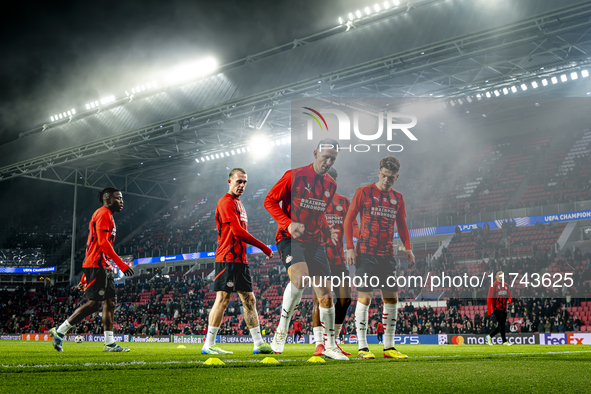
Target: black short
339,270
230,277
100,284
314,255
381,267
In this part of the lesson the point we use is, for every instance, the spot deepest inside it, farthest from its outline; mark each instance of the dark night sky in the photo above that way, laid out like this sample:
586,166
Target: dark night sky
61,55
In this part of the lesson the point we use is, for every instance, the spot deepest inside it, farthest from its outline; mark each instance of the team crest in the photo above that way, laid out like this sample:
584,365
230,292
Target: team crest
327,193
101,292
392,201
230,284
339,208
288,259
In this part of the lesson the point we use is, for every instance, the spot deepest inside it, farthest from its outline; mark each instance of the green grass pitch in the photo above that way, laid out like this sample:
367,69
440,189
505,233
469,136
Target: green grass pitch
156,367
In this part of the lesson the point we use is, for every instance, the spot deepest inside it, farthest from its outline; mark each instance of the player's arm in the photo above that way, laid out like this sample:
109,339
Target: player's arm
278,193
403,233
489,300
106,247
247,237
354,209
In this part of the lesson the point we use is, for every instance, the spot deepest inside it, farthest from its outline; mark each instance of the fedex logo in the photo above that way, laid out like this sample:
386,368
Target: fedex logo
392,123
565,339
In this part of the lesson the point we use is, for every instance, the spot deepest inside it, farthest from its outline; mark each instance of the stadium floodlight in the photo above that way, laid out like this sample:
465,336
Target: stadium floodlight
69,113
227,153
367,10
453,103
61,117
386,5
523,87
497,93
73,111
52,118
377,8
488,95
278,142
207,157
396,3
563,78
285,140
506,91
217,155
544,82
87,106
232,152
574,75
584,73
189,71
358,14
351,17
514,89
247,149
197,160
340,20
534,85
460,101
554,80
469,99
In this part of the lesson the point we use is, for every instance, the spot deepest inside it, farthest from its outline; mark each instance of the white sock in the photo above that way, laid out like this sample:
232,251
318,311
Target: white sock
211,333
361,312
327,321
291,298
64,328
389,316
257,338
109,340
337,330
319,335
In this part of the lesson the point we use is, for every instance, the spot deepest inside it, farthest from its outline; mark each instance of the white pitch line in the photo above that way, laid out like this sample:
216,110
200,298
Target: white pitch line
131,363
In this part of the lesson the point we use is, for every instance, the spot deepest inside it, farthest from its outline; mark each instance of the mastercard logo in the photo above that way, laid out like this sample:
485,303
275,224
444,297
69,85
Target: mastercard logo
457,340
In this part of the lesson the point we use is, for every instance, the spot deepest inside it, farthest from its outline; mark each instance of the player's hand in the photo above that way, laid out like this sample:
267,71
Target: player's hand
129,271
296,229
410,258
351,256
82,286
270,256
334,235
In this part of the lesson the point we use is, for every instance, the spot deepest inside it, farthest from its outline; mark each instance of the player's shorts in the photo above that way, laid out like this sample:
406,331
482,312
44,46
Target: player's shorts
314,255
380,267
100,283
339,270
231,277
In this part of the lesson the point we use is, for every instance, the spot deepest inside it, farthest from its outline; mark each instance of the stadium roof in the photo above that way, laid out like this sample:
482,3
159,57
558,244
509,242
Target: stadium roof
430,48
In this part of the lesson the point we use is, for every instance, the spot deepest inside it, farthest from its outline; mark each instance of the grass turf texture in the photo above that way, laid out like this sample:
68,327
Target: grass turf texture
157,367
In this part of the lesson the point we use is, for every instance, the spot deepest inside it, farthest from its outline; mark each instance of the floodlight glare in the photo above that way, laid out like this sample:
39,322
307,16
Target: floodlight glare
351,17
244,150
377,8
523,87
574,75
453,103
51,118
217,155
232,152
563,78
488,94
191,71
554,80
285,140
584,73
367,10
545,82
358,13
207,157
479,96
197,160
396,3
69,113
505,90
227,154
460,101
497,93
340,20
513,89
469,99
534,84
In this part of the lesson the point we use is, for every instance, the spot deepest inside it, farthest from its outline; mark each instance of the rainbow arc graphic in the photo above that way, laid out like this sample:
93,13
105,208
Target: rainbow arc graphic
315,118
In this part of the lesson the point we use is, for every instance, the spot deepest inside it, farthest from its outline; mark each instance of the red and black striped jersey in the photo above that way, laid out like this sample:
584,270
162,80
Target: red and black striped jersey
230,248
498,297
304,196
102,220
379,212
335,216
